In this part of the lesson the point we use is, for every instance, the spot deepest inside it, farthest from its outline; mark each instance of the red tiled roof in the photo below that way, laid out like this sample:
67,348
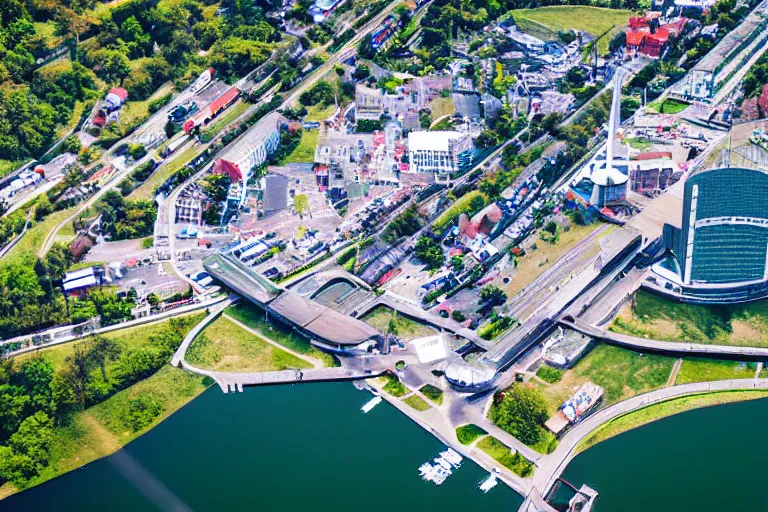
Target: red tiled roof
650,155
119,91
224,99
635,38
225,167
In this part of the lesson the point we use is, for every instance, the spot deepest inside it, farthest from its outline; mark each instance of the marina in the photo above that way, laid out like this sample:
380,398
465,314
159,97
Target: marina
441,467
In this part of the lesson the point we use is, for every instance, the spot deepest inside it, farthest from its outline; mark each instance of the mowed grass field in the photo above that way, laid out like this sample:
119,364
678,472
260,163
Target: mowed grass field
621,373
651,316
305,151
545,22
255,319
225,346
406,329
705,370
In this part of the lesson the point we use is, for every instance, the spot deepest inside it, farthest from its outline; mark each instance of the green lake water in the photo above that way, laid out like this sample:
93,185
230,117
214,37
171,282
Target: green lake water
309,447
305,447
710,459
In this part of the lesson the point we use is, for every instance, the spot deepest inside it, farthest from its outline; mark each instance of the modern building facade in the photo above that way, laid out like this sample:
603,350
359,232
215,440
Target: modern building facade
443,153
729,56
721,249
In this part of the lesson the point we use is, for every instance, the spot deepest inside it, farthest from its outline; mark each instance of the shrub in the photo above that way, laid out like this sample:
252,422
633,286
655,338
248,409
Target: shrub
549,374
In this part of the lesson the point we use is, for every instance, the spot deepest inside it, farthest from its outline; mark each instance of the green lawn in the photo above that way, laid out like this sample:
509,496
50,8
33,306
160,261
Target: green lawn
433,393
503,454
545,22
255,318
621,373
393,386
227,117
416,402
704,370
466,434
661,410
134,112
305,151
382,318
319,113
224,346
640,144
549,374
7,166
657,318
669,106
146,190
132,337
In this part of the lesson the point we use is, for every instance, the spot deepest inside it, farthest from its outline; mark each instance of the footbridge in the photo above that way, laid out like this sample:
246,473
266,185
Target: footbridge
236,381
667,347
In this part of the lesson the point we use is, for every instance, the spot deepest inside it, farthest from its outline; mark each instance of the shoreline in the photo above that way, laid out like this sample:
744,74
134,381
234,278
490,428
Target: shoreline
615,427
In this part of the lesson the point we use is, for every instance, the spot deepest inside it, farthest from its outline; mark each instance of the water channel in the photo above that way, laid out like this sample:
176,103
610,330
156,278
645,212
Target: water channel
309,447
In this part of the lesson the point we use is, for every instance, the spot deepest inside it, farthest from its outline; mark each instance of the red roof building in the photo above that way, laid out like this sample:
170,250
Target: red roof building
225,167
119,92
224,100
646,37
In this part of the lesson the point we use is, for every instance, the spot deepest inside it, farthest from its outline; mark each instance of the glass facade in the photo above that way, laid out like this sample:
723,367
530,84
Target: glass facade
725,226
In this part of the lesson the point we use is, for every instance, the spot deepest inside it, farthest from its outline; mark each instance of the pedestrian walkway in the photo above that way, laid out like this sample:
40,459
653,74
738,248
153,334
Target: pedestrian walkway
673,374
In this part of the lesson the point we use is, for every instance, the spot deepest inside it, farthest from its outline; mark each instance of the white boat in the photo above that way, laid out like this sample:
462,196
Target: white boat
453,457
440,475
490,482
426,470
371,404
444,463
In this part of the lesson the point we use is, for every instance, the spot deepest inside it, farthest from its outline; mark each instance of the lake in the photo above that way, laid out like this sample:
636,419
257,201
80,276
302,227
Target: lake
290,448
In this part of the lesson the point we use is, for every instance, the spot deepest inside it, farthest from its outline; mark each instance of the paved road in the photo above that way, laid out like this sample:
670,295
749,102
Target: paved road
122,325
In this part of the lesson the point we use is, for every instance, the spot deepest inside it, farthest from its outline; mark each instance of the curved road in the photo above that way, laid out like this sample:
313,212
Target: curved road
549,467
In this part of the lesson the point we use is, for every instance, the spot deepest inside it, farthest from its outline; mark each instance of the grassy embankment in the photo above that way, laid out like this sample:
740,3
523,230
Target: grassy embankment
136,112
225,346
662,410
227,117
621,373
385,319
317,113
706,370
504,456
305,151
546,22
99,430
255,319
535,262
146,190
654,317
417,402
35,235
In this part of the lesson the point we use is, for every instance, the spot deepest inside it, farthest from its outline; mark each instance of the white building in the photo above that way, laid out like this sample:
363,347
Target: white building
443,153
